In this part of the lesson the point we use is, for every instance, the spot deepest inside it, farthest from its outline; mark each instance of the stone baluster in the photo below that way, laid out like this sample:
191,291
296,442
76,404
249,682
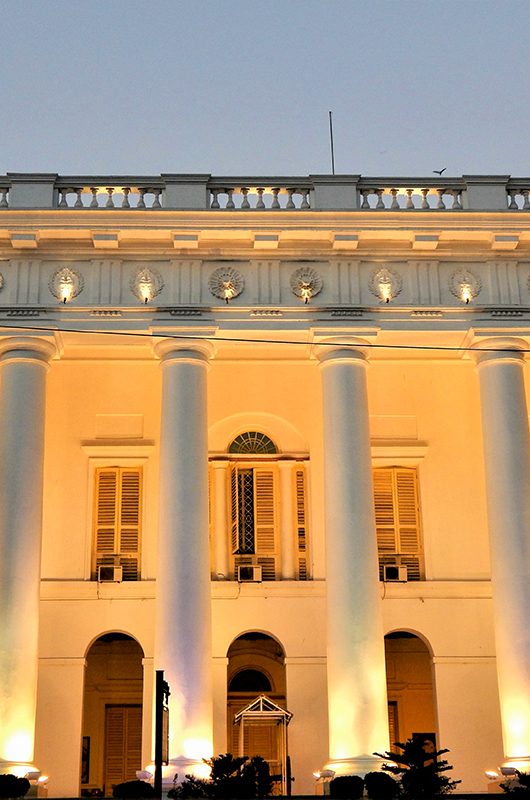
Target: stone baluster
365,193
379,206
79,199
424,201
260,204
215,198
512,205
526,200
141,198
156,200
275,201
305,202
244,203
230,198
94,202
110,200
440,205
126,190
3,198
457,206
409,205
394,205
290,202
63,202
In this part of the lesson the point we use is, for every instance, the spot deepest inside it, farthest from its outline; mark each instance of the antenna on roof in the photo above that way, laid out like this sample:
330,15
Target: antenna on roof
331,143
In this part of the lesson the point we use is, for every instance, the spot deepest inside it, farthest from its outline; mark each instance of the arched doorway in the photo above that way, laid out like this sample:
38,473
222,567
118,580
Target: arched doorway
112,713
410,688
256,666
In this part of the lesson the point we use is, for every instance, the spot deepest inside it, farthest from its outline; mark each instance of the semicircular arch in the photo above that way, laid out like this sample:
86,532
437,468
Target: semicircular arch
114,632
283,433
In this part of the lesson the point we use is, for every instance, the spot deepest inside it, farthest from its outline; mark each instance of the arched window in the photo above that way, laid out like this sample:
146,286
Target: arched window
257,478
250,680
252,443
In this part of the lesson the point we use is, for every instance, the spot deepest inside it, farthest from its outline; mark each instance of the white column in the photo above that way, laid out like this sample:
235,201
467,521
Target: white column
220,493
507,463
24,363
357,702
287,517
183,616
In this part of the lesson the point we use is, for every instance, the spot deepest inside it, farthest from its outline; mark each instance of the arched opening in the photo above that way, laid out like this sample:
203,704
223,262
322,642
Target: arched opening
410,688
112,713
256,666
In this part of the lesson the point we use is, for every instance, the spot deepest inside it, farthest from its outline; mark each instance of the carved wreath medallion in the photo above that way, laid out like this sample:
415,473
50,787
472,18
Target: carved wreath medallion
146,284
386,284
226,283
465,285
66,283
306,283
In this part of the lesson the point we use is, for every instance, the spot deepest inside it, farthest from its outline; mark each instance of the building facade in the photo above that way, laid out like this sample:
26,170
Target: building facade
269,435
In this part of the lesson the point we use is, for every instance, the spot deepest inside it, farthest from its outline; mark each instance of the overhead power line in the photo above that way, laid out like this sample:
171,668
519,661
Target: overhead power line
251,340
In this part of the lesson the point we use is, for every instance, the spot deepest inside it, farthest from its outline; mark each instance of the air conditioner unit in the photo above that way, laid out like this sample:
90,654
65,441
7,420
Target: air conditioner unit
110,573
393,572
247,573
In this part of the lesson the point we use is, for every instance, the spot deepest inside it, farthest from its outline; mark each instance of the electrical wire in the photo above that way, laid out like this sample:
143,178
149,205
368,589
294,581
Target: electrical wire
251,340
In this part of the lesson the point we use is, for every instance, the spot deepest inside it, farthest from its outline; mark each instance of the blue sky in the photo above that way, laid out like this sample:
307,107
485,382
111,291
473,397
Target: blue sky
241,87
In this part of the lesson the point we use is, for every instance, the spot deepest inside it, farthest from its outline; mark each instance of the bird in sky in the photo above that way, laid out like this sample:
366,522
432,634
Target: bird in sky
439,171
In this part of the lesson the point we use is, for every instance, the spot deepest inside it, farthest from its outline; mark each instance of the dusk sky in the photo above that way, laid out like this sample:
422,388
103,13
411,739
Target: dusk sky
235,87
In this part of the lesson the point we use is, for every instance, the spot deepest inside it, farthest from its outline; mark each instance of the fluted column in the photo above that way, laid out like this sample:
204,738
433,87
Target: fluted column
23,363
183,615
357,703
507,464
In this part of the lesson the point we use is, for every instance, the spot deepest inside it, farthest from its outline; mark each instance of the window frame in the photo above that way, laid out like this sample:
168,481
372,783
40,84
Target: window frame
125,456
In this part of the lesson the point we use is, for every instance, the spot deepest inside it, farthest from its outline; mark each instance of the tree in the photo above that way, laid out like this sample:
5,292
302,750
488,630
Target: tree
419,769
230,777
518,787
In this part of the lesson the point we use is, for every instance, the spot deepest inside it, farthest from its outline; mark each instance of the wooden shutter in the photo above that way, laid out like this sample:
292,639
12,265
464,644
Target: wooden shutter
234,511
397,518
117,517
265,521
301,525
123,744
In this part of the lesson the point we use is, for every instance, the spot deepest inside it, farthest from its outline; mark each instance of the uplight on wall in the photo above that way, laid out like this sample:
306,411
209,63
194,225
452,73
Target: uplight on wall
465,285
65,284
306,283
146,284
386,284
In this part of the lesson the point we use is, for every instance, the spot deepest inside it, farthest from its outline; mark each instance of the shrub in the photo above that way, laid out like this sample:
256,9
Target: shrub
230,777
133,790
11,786
346,787
380,786
419,770
519,786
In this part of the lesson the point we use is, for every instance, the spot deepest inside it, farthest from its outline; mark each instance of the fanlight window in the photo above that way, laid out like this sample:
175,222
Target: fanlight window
252,443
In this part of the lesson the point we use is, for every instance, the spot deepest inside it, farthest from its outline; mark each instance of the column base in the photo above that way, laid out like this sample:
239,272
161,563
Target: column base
21,769
356,765
509,766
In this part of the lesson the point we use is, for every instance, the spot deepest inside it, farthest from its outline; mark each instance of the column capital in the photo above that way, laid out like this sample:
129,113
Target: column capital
21,348
184,350
499,349
342,348
220,463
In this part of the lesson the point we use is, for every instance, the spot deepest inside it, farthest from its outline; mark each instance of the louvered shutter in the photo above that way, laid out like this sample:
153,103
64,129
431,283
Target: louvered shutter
117,516
234,511
397,519
123,744
265,521
301,526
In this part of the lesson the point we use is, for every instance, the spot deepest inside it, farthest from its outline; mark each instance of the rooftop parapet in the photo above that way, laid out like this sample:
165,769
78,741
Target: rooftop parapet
200,192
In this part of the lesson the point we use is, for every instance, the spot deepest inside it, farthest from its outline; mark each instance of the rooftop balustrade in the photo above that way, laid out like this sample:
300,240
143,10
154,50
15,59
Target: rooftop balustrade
312,193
